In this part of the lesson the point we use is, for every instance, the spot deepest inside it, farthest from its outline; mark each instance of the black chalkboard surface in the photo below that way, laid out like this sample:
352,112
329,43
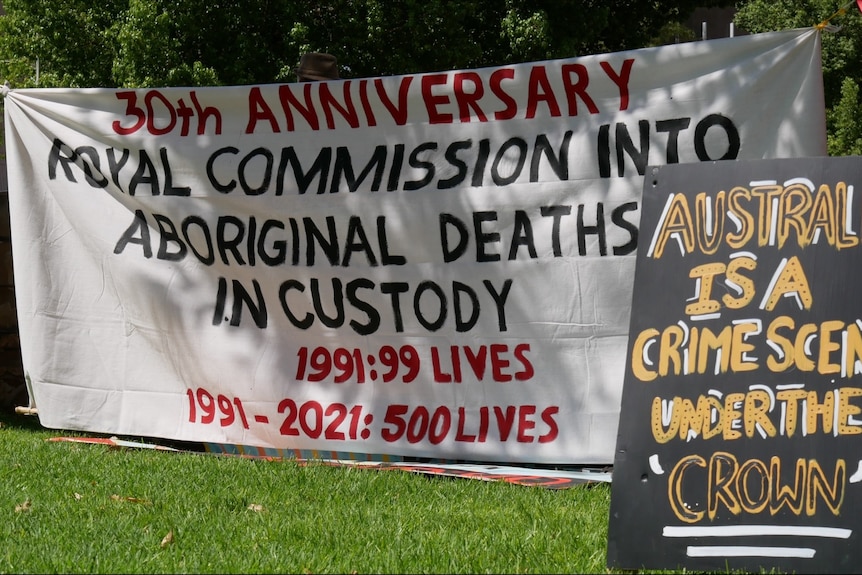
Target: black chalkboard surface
740,436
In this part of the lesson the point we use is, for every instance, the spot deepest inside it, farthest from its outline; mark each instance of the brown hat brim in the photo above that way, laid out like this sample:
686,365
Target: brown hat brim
317,66
312,75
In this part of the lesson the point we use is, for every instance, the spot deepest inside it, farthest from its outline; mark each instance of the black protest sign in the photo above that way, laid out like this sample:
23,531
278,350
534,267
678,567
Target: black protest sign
740,437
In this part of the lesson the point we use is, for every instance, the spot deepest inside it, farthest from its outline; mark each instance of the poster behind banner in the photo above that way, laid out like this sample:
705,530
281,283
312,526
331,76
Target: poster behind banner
435,265
739,444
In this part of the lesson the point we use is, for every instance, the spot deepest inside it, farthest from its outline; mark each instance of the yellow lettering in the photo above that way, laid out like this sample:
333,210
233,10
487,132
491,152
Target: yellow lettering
827,346
722,470
822,217
675,495
705,274
639,369
739,347
846,411
659,433
756,409
671,338
815,410
749,501
846,238
766,196
791,280
743,235
731,415
698,419
803,362
794,205
777,364
744,283
708,341
754,487
853,351
677,222
791,398
769,214
785,495
832,495
710,239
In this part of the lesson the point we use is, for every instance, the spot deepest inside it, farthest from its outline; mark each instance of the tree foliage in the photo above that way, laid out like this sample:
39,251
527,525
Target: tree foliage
134,43
137,43
182,42
68,43
842,58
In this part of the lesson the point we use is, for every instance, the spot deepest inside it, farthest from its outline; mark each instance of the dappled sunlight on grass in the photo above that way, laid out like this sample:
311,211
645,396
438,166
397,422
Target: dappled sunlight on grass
95,509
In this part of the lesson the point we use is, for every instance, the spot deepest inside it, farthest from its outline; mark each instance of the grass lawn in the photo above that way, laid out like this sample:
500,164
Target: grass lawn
77,508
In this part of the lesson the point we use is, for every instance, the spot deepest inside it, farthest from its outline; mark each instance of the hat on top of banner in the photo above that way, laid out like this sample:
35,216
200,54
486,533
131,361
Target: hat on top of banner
315,66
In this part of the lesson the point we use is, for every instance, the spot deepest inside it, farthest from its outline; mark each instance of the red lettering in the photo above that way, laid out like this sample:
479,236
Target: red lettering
439,375
366,104
398,112
468,100
483,423
328,102
621,79
578,88
548,417
528,372
511,109
288,101
258,109
525,423
498,364
477,360
505,420
460,435
432,101
131,110
539,90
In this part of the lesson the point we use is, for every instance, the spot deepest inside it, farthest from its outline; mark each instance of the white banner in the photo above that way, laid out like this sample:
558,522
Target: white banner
437,265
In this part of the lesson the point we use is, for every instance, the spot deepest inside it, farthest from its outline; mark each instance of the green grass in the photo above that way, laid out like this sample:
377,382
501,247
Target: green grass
78,508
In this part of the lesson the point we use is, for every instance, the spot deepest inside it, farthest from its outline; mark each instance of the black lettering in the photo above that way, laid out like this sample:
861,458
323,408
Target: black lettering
598,230
483,238
168,233
450,255
308,320
373,323
556,212
415,162
522,235
618,219
137,233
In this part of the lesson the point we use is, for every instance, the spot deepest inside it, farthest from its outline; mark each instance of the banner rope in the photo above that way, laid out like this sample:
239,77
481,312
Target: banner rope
840,12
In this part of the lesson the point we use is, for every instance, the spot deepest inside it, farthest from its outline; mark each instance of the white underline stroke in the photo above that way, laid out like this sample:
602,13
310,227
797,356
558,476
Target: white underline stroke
741,551
749,530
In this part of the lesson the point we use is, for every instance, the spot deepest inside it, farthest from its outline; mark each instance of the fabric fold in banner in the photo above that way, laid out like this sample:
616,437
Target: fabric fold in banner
435,265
